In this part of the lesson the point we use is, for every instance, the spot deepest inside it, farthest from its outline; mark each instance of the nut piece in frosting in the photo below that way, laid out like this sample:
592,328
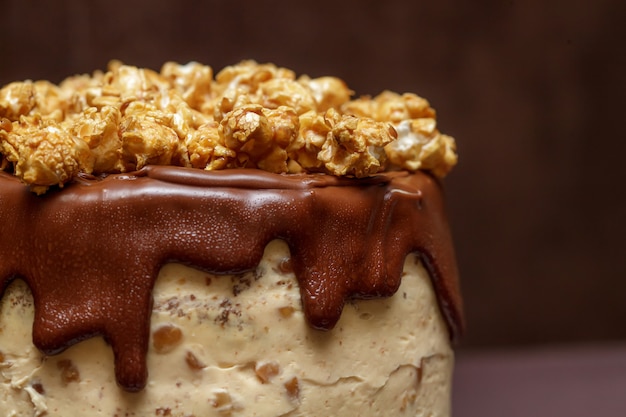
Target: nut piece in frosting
249,115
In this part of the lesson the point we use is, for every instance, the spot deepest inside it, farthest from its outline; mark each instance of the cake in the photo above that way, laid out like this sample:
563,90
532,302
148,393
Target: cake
249,243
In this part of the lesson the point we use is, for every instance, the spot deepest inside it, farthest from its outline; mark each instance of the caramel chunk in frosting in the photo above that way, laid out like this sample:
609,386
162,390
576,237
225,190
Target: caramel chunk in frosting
248,115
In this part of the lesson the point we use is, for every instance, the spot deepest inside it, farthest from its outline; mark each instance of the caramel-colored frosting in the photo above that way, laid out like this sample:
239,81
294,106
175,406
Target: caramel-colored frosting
91,252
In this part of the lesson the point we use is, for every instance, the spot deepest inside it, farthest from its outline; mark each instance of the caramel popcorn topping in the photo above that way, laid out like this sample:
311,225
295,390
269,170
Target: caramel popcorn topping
248,115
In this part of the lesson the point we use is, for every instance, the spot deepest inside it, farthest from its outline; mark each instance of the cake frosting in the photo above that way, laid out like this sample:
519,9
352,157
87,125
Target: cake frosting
307,262
238,345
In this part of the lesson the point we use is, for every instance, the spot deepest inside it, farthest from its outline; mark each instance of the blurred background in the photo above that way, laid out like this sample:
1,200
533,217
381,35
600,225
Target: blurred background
534,92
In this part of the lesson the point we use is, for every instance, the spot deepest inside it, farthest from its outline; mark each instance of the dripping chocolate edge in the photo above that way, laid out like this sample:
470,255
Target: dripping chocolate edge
55,222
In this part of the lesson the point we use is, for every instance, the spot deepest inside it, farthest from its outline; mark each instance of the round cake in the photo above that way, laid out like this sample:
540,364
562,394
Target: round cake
252,243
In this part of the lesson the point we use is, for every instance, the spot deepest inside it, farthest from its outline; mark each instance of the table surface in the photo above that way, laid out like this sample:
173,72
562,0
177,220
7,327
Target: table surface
569,381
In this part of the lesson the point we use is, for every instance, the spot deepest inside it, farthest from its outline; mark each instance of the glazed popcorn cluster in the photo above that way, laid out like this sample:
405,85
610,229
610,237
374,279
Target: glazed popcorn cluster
248,115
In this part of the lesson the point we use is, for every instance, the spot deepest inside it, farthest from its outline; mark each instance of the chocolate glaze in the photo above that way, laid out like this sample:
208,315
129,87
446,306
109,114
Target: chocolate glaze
91,252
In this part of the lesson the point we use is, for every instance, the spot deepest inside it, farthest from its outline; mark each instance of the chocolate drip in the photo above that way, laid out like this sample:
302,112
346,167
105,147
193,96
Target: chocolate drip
91,252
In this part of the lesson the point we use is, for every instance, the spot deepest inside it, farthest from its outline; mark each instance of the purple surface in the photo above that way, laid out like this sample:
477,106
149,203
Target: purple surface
569,381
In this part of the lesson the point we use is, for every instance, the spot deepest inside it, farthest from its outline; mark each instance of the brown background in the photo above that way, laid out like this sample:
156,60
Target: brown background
534,91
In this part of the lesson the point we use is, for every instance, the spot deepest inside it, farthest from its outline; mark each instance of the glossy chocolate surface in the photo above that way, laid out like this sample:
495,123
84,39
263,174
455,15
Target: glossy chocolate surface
91,252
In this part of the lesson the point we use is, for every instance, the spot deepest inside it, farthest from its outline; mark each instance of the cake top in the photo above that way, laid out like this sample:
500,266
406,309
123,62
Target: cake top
248,115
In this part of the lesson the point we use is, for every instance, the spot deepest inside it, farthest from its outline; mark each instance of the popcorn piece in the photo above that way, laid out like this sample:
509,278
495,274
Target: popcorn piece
285,128
23,98
50,100
247,131
328,92
395,108
390,107
344,144
241,84
361,107
313,133
207,149
99,130
284,92
248,75
192,81
17,99
355,145
75,90
43,153
260,136
147,138
421,146
228,102
131,81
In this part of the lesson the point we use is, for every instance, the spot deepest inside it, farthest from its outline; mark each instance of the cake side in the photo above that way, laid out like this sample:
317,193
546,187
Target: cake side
239,345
